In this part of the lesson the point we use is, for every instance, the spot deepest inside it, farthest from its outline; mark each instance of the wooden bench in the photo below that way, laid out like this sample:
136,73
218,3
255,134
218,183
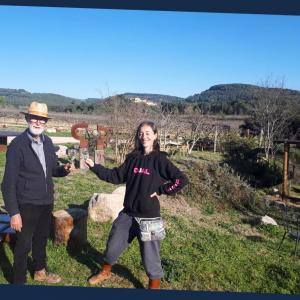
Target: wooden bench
6,232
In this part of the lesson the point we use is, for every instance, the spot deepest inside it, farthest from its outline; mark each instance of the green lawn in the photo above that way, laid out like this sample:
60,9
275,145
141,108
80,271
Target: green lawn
212,250
21,128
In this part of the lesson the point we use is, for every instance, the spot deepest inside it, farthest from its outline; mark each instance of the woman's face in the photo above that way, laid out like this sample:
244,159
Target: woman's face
147,137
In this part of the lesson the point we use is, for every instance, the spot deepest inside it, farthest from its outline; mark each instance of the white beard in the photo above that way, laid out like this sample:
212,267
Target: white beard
35,131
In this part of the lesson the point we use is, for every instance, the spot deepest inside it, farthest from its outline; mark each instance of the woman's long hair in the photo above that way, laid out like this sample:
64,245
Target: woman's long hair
138,146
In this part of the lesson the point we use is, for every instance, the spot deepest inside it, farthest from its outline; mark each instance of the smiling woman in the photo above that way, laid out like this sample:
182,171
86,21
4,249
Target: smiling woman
147,136
148,174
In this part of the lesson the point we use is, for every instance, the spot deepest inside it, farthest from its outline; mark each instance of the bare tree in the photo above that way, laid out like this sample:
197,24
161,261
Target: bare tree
272,112
165,120
200,128
124,117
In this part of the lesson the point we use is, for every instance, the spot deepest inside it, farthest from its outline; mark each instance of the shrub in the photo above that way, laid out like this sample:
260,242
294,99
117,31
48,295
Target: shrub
295,154
242,155
218,184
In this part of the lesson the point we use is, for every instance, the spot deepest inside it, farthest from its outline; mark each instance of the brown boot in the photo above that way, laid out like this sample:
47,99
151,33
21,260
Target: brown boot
44,276
102,275
154,284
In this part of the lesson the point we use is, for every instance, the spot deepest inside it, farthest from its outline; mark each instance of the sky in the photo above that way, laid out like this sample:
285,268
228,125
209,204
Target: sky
92,53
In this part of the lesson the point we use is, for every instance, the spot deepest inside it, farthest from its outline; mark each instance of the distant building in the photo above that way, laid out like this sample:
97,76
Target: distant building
139,100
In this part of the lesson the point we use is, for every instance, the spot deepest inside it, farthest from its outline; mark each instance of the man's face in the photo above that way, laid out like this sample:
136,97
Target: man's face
36,124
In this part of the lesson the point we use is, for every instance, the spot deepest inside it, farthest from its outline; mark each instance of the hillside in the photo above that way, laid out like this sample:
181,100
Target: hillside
233,92
21,97
234,98
228,99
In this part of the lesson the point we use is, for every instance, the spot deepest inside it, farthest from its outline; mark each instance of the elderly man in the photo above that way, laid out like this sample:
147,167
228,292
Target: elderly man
27,190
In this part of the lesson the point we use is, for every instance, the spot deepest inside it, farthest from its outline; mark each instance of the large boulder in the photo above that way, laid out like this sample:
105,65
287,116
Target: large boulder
104,207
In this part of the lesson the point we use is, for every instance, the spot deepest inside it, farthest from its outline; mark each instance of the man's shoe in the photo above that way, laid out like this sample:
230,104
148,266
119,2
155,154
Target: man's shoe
154,284
44,276
102,275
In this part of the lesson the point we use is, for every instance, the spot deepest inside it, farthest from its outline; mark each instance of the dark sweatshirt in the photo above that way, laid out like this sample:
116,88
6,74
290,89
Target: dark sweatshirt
144,175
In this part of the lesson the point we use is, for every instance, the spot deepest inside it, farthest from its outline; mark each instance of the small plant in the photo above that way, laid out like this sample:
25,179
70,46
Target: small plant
208,208
172,269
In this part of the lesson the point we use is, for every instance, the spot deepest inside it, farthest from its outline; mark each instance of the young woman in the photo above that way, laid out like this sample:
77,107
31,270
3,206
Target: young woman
147,173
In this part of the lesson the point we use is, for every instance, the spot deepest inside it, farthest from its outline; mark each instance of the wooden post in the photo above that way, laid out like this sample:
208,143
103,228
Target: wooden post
216,139
248,132
285,185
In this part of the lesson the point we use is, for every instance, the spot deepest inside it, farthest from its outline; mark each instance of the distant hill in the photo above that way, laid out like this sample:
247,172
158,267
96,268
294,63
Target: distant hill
223,98
21,97
232,92
93,100
233,98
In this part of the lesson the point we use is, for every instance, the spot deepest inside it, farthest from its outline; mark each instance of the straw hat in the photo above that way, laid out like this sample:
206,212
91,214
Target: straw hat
37,109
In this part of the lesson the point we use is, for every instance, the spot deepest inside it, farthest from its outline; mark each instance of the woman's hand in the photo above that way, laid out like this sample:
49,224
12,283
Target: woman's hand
16,222
89,163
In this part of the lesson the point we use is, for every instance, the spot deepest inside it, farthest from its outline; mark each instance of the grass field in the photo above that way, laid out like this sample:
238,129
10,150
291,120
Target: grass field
21,128
210,250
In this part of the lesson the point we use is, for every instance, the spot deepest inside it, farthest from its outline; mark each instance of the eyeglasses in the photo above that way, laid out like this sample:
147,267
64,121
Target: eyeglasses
42,122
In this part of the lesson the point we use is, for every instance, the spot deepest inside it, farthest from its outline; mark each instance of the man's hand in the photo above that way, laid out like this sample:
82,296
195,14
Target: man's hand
154,195
16,222
69,167
89,163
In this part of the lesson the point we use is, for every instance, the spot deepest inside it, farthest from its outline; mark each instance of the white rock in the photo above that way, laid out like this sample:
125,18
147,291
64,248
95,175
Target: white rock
104,207
266,220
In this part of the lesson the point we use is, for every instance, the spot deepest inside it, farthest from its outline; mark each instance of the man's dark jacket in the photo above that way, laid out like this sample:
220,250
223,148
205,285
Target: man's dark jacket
24,179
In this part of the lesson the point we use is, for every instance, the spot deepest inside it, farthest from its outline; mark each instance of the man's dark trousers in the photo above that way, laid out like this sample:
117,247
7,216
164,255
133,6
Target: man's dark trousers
34,235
